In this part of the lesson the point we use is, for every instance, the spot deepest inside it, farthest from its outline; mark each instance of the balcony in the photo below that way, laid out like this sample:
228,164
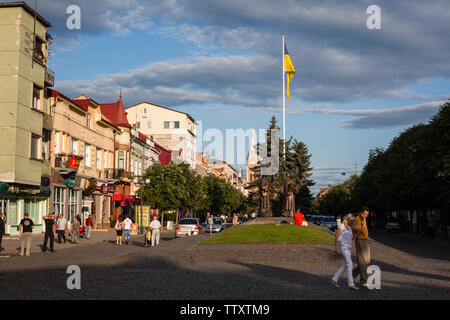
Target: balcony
49,79
117,174
67,163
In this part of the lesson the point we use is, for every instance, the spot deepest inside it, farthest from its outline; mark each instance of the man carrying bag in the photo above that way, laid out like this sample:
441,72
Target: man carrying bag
361,236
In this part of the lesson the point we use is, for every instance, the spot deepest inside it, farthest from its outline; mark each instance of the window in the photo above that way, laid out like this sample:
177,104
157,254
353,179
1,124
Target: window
58,201
87,121
36,98
34,152
31,206
121,159
171,124
105,160
144,115
132,167
39,51
46,144
73,204
57,134
138,125
149,124
74,149
63,143
97,159
12,212
87,155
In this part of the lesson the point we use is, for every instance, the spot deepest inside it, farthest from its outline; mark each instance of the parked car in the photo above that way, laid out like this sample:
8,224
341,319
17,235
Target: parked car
216,227
394,226
329,222
188,227
317,219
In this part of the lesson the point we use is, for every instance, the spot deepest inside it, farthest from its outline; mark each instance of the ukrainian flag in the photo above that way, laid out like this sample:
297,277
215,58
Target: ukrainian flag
289,69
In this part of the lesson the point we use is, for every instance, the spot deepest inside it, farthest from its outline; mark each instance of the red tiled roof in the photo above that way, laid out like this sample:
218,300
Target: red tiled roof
116,113
56,93
142,136
84,103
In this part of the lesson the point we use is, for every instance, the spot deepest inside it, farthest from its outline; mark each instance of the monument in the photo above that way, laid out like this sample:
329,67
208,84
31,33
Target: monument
268,192
290,189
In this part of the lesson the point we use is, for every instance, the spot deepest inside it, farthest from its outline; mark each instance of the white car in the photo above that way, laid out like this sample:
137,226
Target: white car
187,227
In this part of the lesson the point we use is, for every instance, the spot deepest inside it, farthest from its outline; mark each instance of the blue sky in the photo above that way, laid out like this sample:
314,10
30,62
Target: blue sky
354,89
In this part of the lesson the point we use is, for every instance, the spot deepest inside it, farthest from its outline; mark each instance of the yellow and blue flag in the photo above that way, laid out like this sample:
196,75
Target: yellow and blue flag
289,69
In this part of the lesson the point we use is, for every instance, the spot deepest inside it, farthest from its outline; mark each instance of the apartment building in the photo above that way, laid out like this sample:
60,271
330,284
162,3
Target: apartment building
172,129
82,159
25,122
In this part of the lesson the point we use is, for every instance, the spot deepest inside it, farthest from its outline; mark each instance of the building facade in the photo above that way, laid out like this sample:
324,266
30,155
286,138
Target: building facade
82,157
172,129
25,121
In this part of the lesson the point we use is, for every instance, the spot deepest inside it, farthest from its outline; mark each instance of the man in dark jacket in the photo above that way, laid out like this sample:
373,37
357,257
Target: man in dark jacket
2,230
49,232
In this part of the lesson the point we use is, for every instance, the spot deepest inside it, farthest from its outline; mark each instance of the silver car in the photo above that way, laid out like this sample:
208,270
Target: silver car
216,227
187,227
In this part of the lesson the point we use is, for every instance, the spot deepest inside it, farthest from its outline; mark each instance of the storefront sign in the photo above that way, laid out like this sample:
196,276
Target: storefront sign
71,181
103,188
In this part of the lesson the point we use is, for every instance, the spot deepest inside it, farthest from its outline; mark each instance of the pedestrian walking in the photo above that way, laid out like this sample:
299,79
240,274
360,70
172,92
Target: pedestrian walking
235,219
50,228
127,228
344,236
2,230
155,227
361,236
26,227
89,225
119,230
61,227
210,222
75,230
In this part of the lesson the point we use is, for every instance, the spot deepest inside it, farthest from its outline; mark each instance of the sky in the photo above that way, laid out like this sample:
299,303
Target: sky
354,89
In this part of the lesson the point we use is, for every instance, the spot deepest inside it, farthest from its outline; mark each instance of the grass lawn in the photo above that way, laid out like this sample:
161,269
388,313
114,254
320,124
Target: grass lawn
271,233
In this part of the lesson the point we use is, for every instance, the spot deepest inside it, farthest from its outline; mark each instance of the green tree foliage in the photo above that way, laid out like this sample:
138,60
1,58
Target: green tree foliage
176,186
338,201
413,173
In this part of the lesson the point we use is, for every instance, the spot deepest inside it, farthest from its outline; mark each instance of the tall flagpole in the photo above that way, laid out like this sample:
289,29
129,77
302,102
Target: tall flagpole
284,103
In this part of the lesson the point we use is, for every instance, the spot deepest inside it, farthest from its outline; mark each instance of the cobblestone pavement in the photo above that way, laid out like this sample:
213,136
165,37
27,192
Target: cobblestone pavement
183,269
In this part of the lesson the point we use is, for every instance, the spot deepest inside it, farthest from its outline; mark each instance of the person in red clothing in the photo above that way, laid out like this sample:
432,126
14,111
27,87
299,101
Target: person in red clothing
89,226
299,217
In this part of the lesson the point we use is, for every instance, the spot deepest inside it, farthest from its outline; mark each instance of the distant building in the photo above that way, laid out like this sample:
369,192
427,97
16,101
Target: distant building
172,129
252,158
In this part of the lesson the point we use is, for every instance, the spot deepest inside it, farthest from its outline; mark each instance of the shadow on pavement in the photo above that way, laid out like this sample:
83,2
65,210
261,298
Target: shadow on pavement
156,277
439,249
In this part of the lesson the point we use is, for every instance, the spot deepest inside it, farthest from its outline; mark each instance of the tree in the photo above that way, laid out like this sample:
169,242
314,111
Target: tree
167,188
293,160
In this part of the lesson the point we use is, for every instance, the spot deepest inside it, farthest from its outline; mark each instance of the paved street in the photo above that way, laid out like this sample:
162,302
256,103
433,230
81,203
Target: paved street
182,269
